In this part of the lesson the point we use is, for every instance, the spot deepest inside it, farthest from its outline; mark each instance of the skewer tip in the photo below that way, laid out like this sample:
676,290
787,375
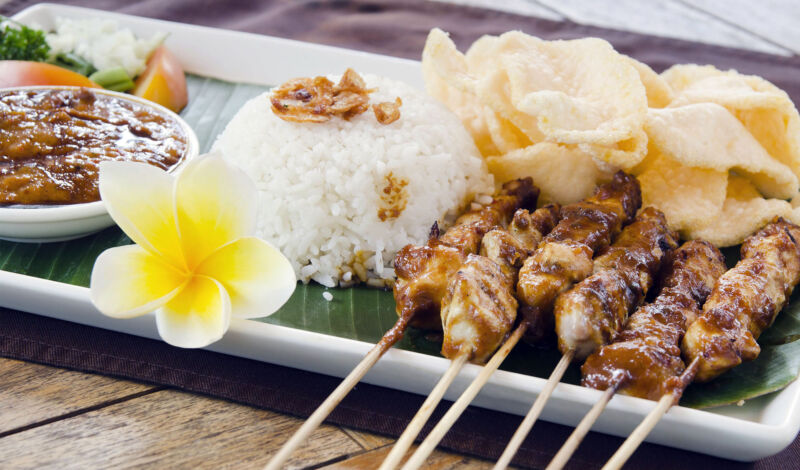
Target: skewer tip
536,409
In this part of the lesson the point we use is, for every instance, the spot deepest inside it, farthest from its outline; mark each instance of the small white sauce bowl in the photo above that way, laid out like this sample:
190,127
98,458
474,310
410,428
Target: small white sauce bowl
39,224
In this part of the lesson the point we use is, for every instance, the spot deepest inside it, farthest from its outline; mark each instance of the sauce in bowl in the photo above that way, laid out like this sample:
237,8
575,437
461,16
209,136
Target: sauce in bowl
52,141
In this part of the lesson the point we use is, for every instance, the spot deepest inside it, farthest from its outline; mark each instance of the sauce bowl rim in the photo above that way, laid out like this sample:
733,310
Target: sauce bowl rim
87,210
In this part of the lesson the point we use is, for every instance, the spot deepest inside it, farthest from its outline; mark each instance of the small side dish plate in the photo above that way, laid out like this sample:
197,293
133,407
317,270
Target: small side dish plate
761,427
39,224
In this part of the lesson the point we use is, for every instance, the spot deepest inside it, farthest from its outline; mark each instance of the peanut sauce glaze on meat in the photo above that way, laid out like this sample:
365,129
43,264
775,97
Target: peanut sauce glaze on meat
591,313
423,271
565,255
479,307
645,358
52,141
745,301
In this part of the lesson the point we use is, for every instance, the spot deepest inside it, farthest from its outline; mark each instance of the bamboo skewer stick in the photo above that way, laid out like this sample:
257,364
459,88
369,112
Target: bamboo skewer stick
637,436
536,409
643,429
571,444
514,194
447,421
353,378
418,421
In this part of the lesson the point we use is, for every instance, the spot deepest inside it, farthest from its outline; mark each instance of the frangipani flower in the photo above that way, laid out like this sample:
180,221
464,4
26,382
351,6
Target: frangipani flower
195,262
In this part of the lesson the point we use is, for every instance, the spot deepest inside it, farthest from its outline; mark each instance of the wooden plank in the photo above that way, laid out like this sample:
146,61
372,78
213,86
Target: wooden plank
775,20
31,393
169,429
668,18
438,460
519,7
367,440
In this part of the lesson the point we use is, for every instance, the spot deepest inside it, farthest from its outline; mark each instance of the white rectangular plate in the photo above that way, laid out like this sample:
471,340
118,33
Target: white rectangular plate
761,427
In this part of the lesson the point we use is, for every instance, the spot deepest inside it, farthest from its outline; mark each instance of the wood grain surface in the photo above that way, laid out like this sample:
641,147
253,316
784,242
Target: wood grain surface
31,394
54,418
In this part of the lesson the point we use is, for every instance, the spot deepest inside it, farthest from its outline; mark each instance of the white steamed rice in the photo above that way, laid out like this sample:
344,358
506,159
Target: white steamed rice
320,184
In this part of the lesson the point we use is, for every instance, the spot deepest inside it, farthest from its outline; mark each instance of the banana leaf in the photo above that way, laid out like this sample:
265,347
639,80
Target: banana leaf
364,313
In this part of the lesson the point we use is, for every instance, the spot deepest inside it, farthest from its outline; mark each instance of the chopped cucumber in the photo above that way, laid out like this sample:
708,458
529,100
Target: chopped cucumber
115,79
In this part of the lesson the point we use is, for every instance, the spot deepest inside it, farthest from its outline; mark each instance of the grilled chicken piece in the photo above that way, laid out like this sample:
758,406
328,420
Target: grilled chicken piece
469,229
565,255
645,359
509,248
593,312
478,310
423,271
745,301
479,307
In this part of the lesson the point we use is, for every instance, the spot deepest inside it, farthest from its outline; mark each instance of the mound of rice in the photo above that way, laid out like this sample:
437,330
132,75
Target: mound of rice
325,188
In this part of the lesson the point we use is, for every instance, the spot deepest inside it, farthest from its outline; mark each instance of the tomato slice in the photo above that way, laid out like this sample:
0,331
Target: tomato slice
24,73
163,81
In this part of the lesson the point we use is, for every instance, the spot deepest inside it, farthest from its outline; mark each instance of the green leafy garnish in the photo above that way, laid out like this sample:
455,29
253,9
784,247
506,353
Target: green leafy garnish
19,42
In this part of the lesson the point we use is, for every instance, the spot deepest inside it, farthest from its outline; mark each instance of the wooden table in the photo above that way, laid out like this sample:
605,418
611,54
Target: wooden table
54,418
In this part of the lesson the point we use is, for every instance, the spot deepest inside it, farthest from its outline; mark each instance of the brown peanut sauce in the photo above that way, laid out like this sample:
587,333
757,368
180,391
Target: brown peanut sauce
53,140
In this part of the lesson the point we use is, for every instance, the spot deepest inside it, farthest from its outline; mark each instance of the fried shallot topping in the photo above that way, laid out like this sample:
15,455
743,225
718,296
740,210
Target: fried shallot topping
303,100
350,95
387,112
318,100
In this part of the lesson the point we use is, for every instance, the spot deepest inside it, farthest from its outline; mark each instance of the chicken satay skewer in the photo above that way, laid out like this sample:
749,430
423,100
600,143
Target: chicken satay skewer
563,257
589,227
422,279
744,302
646,352
594,310
479,307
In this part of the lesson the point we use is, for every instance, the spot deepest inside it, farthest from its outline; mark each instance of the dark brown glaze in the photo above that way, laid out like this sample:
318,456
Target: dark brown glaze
52,142
529,228
469,229
395,334
509,248
565,255
595,310
645,358
745,301
423,271
479,307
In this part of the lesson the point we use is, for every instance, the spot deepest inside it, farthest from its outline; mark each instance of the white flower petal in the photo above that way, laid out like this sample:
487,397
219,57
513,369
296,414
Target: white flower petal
199,315
257,277
140,199
128,281
216,204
